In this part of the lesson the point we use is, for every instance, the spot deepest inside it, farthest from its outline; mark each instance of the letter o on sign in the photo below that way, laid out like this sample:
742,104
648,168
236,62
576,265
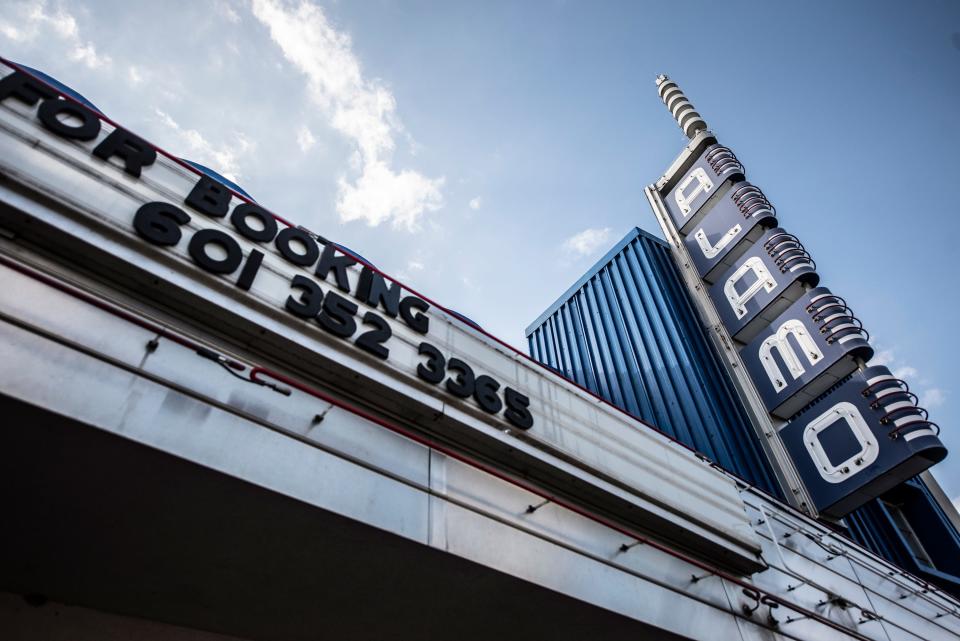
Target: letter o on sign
50,114
869,447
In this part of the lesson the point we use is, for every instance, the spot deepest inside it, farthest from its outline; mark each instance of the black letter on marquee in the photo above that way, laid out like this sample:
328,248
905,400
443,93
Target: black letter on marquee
239,220
418,322
373,340
198,251
24,88
209,197
49,114
337,315
372,290
160,223
308,306
338,264
250,269
517,412
282,243
134,151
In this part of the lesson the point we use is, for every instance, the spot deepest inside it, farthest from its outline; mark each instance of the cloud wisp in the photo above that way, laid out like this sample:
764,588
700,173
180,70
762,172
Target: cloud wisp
225,158
928,397
26,21
305,139
587,242
363,110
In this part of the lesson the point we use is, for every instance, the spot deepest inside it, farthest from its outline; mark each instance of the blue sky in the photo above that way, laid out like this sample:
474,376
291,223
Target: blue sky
488,153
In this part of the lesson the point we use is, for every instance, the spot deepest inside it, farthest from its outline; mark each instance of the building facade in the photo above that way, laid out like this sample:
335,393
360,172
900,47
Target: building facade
627,330
221,425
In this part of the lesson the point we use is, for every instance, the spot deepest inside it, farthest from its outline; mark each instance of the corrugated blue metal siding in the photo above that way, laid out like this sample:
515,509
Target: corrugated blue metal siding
628,332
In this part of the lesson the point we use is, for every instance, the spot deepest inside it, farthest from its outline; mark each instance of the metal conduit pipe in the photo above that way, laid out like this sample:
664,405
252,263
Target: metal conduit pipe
869,614
255,372
830,549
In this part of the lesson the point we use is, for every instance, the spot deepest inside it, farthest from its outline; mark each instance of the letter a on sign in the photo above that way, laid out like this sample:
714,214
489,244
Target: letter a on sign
764,282
780,343
684,198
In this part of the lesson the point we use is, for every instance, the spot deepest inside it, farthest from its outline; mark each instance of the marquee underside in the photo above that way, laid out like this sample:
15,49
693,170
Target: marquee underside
93,519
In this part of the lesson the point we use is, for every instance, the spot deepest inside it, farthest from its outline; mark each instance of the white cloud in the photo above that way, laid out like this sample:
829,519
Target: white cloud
933,397
87,54
305,139
135,75
475,203
905,372
362,109
413,265
380,194
26,21
227,11
888,357
587,242
883,357
10,32
928,397
224,159
956,503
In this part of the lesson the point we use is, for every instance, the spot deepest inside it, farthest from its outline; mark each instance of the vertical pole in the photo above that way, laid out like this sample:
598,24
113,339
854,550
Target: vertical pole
765,426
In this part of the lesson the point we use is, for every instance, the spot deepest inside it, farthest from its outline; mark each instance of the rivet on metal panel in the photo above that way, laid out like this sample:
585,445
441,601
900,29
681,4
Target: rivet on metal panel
318,418
533,508
626,548
792,619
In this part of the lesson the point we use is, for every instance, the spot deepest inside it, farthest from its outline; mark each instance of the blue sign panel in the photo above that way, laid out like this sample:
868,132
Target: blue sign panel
706,180
805,351
728,228
865,437
762,283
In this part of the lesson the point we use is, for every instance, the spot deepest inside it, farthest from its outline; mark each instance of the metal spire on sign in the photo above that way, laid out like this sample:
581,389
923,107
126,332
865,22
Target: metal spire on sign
683,112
